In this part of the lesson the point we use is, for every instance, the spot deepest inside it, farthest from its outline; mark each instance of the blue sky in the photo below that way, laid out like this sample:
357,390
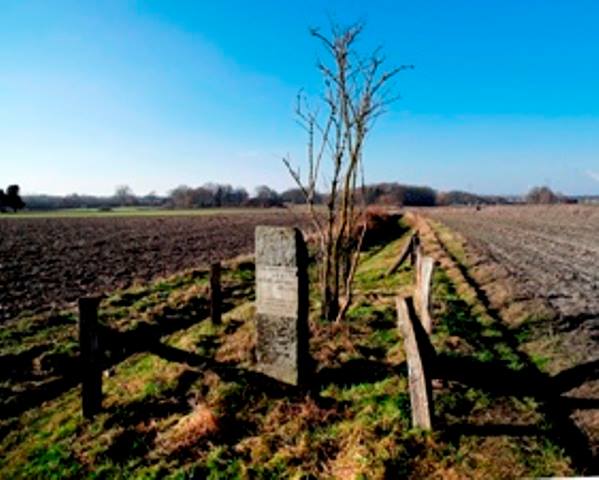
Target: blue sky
153,94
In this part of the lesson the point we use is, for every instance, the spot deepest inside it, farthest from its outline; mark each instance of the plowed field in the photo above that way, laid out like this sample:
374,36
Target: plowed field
551,254
553,251
49,262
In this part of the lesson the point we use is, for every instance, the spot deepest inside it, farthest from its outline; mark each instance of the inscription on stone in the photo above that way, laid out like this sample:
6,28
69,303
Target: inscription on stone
277,290
281,304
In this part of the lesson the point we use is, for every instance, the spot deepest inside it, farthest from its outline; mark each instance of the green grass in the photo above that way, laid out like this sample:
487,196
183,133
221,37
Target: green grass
166,419
374,264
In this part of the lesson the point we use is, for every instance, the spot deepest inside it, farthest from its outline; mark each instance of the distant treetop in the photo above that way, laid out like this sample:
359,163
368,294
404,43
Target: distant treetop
11,199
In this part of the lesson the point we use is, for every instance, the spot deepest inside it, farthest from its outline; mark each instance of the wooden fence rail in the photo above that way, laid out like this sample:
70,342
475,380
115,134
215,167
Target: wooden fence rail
423,291
403,254
416,324
92,352
418,356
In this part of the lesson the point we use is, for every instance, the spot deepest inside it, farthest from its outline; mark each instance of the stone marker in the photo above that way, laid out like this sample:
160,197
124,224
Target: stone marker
418,354
282,304
90,356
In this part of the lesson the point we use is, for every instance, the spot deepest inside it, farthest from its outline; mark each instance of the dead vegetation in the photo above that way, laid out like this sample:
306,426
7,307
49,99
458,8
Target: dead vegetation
357,89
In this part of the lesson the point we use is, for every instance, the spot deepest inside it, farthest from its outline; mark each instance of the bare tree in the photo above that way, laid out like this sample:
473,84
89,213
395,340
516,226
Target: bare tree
357,89
124,195
266,196
542,195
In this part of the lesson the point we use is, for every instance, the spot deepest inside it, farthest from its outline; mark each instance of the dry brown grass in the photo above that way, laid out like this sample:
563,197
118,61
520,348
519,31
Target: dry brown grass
239,347
189,430
287,429
349,463
331,343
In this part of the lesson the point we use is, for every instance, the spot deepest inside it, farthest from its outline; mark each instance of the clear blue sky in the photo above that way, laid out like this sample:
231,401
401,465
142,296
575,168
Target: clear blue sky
156,93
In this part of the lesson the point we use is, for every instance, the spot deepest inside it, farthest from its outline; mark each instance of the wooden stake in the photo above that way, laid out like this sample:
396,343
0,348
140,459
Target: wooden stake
418,264
417,350
423,292
405,251
90,356
215,293
414,249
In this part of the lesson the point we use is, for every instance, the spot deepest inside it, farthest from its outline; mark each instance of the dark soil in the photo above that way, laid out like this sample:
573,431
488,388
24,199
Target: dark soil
47,263
553,251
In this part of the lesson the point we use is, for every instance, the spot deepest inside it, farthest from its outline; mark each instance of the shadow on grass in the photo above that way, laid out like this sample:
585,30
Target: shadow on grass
117,346
383,229
251,390
500,368
500,381
455,430
354,372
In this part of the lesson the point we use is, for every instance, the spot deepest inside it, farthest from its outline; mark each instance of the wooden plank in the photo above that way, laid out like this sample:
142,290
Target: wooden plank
215,293
403,254
90,356
416,348
418,264
414,250
423,292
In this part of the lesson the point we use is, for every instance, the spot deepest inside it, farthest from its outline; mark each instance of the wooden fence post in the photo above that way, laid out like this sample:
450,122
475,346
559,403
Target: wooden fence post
215,293
418,264
423,291
403,254
418,352
90,356
414,249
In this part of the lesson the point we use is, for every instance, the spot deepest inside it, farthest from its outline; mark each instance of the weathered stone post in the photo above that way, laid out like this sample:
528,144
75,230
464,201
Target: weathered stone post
90,356
282,304
215,293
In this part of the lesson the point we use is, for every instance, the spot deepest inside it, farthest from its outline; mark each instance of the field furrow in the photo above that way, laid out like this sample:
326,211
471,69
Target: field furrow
47,263
553,251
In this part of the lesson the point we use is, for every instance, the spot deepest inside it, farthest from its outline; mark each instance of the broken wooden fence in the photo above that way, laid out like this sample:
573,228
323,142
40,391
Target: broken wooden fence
415,324
418,353
92,351
403,254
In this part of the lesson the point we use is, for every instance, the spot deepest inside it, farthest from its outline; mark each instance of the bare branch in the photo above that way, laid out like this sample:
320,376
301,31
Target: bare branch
357,90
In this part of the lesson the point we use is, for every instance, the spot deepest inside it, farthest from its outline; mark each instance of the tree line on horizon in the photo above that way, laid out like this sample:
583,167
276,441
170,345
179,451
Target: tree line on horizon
214,195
